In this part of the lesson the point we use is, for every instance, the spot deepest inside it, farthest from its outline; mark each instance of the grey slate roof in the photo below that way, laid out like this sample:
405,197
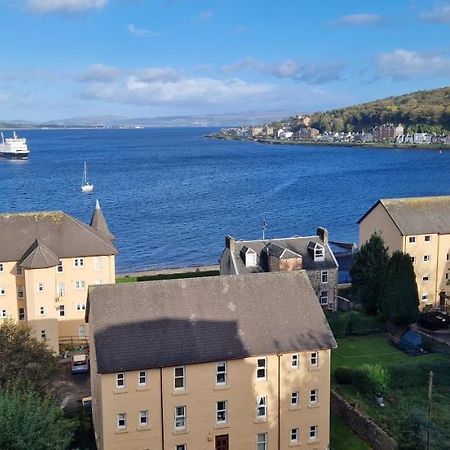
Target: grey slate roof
176,322
98,222
62,234
39,256
298,245
417,215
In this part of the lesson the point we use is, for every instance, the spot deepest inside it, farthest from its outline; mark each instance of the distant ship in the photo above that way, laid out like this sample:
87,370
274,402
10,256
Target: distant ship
14,148
86,186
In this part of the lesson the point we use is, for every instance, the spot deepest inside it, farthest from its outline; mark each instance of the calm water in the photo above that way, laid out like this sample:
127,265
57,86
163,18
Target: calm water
170,195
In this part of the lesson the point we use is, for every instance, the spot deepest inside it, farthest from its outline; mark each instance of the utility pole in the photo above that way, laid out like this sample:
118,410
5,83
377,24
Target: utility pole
430,393
264,226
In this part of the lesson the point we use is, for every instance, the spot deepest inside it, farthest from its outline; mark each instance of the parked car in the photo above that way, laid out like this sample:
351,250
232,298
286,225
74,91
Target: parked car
80,364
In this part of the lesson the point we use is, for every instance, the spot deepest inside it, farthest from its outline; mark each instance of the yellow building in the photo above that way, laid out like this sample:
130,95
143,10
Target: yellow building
47,262
419,226
239,362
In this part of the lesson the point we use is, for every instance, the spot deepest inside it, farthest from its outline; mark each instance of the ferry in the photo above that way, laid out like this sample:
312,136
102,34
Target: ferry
14,148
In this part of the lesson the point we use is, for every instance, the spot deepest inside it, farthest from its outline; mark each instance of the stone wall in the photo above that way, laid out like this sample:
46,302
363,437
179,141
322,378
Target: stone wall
363,426
315,278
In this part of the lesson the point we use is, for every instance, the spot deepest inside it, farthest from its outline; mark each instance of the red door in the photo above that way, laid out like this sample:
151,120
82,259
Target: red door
222,442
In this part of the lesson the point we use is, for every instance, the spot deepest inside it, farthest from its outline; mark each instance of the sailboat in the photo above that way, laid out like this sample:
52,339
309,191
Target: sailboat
86,186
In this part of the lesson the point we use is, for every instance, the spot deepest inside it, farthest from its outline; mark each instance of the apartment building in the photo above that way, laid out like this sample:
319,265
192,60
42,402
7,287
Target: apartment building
47,261
219,363
419,226
310,253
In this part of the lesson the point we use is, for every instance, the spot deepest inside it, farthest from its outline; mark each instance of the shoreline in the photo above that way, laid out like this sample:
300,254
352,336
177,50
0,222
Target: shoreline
168,270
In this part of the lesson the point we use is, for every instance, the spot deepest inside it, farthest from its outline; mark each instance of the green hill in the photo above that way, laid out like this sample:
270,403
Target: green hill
422,111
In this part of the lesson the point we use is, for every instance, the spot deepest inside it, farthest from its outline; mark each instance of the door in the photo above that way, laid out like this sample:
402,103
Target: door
222,442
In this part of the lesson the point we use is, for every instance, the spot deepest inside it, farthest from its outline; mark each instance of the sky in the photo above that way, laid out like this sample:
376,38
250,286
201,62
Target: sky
150,58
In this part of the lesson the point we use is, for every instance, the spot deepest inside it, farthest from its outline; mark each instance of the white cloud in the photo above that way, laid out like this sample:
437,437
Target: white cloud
405,64
438,14
168,86
99,72
357,19
140,32
65,6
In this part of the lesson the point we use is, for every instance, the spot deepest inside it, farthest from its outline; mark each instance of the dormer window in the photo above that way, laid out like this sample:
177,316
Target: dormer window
248,255
317,251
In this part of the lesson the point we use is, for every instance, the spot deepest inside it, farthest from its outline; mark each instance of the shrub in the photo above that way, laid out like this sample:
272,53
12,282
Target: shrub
343,375
339,324
371,379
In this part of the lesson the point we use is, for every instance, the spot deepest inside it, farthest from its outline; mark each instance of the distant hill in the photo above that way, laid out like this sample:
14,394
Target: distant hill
423,111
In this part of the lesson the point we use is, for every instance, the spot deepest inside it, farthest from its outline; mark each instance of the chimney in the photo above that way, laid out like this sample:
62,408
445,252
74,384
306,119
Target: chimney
230,243
323,234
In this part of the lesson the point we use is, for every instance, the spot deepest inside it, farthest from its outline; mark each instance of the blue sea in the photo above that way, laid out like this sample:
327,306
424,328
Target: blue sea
171,195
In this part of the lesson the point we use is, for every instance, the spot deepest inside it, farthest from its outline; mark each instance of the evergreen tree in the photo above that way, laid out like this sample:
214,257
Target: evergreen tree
367,273
400,300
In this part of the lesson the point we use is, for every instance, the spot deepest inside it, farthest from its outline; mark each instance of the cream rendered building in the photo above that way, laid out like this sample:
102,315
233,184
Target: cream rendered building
419,226
236,362
47,262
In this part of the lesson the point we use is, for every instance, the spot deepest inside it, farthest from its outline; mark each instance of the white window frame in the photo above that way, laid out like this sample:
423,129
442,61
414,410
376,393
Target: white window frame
180,417
60,268
426,258
2,313
314,397
180,447
413,259
425,277
319,252
2,291
81,306
40,287
261,369
221,412
261,441
427,236
143,414
412,239
424,297
21,314
80,285
122,417
42,311
221,373
323,297
261,407
177,378
295,433
78,262
97,264
43,334
314,359
20,292
61,309
142,378
295,361
295,399
313,433
324,276
82,330
120,380
2,267
60,289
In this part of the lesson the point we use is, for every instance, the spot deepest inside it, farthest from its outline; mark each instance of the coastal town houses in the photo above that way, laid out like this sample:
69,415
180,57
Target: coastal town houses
419,226
219,363
310,253
47,261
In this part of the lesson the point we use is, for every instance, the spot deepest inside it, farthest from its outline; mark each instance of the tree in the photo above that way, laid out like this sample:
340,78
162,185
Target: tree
25,361
29,421
400,299
368,272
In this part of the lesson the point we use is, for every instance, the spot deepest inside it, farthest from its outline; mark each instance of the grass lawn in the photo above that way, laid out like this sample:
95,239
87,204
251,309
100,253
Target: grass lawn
357,350
168,276
343,438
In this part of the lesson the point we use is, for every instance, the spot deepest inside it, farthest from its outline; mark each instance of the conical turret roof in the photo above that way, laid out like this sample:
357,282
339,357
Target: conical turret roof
39,256
98,222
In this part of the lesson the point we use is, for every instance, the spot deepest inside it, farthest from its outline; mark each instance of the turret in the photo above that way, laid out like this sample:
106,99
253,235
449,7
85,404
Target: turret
98,222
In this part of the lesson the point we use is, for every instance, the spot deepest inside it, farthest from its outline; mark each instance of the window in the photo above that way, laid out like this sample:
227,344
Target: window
40,287
21,313
221,373
81,306
20,292
313,397
120,380
121,421
446,276
181,447
142,378
319,254
78,262
448,256
1,267
221,412
313,433
59,267
314,359
143,418
413,259
2,313
261,368
295,399
2,291
324,297
81,331
180,418
80,284
425,277
428,238
294,361
179,381
294,435
412,239
44,334
261,441
324,276
98,282
261,407
427,258
42,311
62,312
19,270
60,290
425,296
97,264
